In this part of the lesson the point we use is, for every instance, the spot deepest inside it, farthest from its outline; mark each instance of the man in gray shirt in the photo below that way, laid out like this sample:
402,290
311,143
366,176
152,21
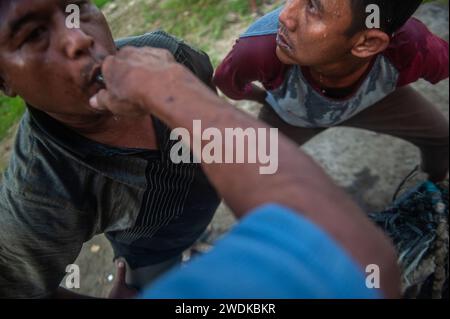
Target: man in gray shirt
75,172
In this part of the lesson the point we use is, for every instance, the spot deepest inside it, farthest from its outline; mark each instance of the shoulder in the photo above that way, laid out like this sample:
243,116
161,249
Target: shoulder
265,25
256,50
260,37
196,60
38,170
157,39
163,40
416,52
412,40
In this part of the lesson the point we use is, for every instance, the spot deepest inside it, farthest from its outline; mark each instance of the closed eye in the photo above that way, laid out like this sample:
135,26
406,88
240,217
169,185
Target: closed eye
35,35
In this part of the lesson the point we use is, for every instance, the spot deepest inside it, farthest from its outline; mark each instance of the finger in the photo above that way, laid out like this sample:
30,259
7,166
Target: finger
168,56
160,54
120,272
128,53
127,50
107,66
94,103
101,100
152,55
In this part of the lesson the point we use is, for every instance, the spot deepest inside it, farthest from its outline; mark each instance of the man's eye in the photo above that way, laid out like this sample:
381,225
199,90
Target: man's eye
35,35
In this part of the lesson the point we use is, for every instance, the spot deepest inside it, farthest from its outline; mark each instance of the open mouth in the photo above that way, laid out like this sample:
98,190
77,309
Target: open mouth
92,80
95,80
96,76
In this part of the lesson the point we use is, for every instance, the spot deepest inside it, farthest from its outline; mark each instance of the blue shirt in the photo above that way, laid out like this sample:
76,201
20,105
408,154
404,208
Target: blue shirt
274,253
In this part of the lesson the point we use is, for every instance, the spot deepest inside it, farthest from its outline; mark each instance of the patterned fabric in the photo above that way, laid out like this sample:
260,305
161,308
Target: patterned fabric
318,110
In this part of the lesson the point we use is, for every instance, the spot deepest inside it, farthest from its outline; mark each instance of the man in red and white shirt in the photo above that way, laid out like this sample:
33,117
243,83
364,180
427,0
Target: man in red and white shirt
321,67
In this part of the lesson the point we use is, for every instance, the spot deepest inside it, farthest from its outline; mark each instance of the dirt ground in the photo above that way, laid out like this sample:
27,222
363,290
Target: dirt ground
368,165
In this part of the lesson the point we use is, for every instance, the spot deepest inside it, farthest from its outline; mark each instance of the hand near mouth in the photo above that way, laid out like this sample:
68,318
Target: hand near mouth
130,75
100,79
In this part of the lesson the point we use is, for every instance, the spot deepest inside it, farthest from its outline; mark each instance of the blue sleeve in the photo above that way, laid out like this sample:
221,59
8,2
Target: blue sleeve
274,253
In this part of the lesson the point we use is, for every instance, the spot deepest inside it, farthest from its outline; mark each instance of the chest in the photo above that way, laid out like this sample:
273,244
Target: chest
300,104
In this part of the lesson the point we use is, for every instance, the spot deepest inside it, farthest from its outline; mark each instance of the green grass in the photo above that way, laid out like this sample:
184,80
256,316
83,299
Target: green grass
197,18
204,17
101,3
199,22
11,111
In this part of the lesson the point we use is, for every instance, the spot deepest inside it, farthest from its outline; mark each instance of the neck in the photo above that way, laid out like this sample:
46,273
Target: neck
130,132
85,124
342,74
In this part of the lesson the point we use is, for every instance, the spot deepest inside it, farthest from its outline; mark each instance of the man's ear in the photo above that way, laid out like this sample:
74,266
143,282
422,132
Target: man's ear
370,42
6,89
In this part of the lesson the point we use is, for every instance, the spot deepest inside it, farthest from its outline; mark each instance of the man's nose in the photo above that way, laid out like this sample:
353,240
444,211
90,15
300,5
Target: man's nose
288,17
76,43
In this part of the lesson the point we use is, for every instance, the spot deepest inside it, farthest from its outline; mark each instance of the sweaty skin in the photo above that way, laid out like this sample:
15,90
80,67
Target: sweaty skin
178,99
314,34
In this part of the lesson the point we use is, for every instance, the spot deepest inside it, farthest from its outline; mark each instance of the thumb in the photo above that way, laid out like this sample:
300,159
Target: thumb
120,290
100,100
121,272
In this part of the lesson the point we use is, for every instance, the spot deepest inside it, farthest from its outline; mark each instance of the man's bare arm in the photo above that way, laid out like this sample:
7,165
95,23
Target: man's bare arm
178,98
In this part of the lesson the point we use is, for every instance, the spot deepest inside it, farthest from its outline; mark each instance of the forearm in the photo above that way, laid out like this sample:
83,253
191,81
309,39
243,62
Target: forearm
295,168
178,99
299,183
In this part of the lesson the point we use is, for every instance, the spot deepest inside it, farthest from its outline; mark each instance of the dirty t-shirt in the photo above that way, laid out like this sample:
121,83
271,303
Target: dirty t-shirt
61,189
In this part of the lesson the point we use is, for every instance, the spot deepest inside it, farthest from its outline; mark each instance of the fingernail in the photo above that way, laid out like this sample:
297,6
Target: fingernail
121,264
94,102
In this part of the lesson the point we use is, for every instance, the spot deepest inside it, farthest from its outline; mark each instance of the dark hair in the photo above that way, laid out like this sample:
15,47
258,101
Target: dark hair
394,14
